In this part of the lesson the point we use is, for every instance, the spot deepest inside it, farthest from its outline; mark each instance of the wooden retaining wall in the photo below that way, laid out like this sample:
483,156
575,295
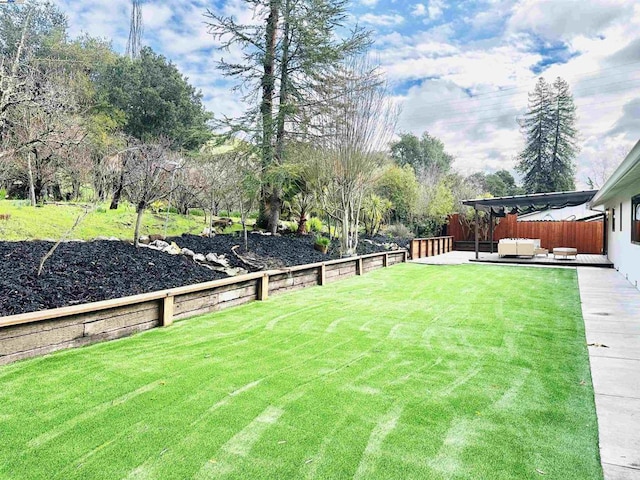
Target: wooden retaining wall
428,247
37,333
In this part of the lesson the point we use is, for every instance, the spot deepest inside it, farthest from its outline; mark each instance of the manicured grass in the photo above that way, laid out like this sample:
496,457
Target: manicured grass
425,372
52,221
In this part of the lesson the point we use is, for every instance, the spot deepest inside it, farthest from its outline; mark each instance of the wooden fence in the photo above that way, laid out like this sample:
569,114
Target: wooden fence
587,237
428,247
37,333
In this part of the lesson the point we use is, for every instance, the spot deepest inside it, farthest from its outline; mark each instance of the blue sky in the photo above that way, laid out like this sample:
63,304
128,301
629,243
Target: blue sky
460,70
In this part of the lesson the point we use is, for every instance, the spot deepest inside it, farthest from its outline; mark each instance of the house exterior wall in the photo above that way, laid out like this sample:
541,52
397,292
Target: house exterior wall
624,254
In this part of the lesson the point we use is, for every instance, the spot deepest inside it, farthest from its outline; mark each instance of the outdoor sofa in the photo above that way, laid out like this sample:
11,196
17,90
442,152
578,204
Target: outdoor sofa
520,247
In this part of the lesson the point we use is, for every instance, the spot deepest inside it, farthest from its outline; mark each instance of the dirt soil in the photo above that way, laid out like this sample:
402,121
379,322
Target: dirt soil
81,272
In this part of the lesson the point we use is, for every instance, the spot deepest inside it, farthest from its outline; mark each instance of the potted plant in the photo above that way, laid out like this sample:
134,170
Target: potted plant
321,244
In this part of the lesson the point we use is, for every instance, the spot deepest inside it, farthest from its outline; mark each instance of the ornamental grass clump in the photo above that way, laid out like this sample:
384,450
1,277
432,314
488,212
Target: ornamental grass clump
322,243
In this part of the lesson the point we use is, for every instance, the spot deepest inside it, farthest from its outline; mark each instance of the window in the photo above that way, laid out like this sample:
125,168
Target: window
635,219
613,219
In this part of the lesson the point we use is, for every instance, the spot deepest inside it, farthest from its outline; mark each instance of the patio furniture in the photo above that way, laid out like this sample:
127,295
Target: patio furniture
565,252
526,247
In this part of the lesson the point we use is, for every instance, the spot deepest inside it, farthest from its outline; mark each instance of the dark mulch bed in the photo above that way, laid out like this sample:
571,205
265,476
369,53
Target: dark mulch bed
280,250
80,272
277,250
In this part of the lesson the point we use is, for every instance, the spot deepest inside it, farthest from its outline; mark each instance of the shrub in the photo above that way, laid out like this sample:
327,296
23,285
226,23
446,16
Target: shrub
322,241
398,230
157,206
101,210
196,212
291,226
171,210
314,224
3,193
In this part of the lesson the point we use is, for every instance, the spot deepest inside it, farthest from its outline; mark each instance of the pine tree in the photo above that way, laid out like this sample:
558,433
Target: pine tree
546,162
290,52
536,125
564,147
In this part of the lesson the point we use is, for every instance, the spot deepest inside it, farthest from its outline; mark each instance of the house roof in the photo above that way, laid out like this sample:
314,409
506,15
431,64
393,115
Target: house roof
626,175
572,213
532,202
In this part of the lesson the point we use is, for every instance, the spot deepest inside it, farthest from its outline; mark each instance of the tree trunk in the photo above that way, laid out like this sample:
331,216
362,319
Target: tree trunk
283,108
32,189
302,223
118,193
266,106
76,190
275,204
213,207
136,233
246,237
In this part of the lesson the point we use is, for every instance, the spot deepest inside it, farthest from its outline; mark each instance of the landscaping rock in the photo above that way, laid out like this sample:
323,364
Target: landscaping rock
159,244
217,259
187,252
172,249
198,257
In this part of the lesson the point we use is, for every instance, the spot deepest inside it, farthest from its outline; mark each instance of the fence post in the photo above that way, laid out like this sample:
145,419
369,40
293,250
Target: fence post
385,260
359,266
322,274
166,311
263,287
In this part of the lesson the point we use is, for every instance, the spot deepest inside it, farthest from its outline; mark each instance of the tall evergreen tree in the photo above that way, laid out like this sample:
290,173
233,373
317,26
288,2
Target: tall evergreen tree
536,125
546,162
564,145
289,55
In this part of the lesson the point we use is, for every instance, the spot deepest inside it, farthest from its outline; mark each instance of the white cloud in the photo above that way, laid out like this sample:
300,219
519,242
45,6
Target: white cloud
369,3
554,19
419,10
435,9
383,20
156,16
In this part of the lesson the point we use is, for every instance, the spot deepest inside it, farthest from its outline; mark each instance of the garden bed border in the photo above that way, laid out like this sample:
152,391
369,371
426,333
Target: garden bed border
37,333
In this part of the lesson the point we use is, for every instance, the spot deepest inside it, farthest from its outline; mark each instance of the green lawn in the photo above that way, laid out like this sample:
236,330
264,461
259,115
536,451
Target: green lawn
423,372
53,221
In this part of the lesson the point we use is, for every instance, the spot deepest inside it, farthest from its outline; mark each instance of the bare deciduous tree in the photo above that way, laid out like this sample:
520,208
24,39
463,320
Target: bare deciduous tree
357,128
150,166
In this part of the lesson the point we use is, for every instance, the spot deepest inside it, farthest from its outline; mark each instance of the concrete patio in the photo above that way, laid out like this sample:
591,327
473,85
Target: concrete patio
611,312
580,260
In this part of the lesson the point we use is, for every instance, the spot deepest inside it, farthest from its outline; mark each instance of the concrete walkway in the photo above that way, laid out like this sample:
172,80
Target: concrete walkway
611,312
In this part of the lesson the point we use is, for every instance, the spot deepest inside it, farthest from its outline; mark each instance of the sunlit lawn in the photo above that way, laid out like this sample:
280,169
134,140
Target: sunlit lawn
51,221
424,372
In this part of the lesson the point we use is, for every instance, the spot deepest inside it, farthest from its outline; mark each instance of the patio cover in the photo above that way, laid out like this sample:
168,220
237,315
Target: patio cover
498,206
